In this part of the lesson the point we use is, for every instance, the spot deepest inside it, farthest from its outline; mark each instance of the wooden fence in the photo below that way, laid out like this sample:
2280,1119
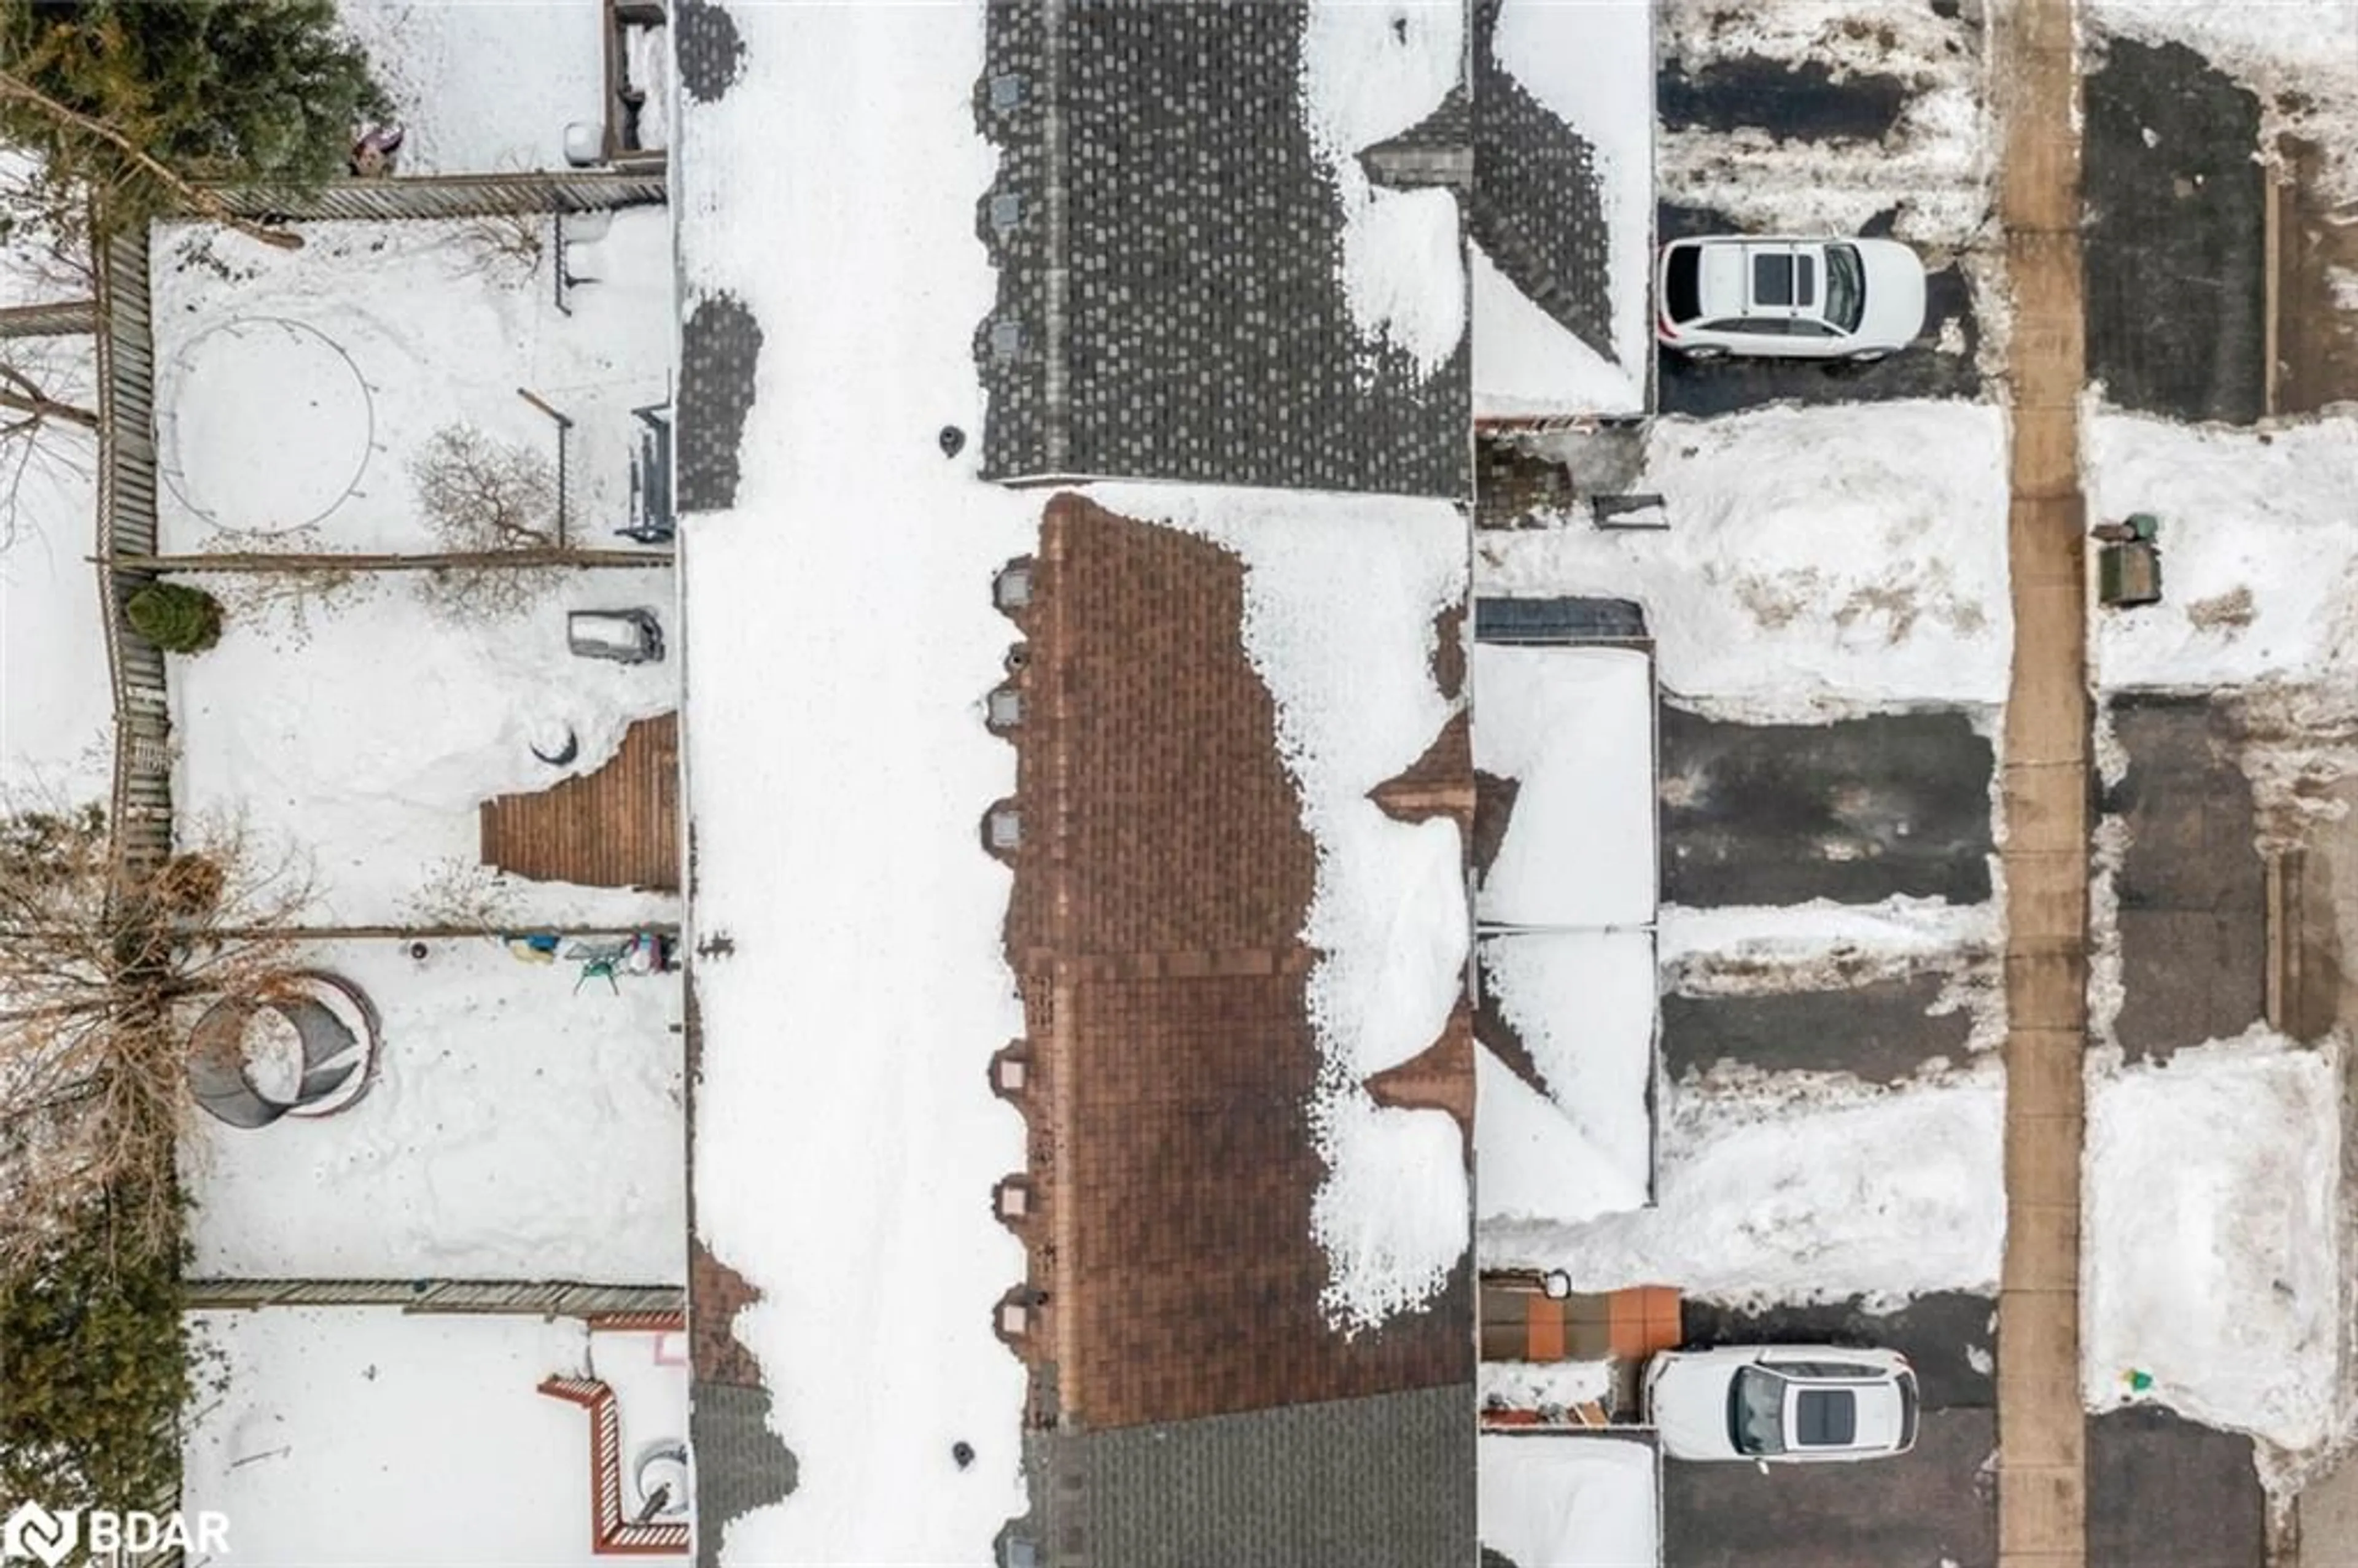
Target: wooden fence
140,799
450,195
535,1298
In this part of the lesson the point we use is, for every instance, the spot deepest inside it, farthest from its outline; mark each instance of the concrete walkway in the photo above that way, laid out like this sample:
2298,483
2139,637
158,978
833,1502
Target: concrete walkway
2042,1490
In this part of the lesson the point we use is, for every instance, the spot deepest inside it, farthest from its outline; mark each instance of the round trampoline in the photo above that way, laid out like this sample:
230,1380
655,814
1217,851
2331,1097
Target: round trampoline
305,1046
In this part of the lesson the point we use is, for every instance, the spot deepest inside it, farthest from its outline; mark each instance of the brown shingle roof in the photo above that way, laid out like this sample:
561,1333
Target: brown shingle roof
1160,888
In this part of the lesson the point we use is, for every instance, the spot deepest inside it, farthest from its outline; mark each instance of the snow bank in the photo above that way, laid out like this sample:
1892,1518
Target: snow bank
451,71
1568,1500
322,1405
369,740
1934,165
1583,1004
1592,66
847,1140
1369,73
1574,728
518,1128
2212,1253
1818,560
1542,1385
2259,562
1347,658
1898,929
296,386
1799,1188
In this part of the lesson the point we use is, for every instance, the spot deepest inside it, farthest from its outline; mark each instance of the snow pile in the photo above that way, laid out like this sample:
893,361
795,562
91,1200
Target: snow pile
1347,658
518,1128
322,1406
1933,165
1548,1386
370,741
1583,1004
846,1140
298,386
1818,561
1894,933
1568,1500
1574,728
1592,66
2259,563
1369,73
451,71
1799,1188
2212,1256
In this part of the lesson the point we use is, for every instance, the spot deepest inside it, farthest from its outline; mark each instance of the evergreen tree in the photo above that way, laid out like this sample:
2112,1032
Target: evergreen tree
265,91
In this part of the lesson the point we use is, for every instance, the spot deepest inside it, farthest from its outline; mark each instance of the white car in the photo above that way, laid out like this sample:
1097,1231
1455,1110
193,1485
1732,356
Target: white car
1778,297
1781,1403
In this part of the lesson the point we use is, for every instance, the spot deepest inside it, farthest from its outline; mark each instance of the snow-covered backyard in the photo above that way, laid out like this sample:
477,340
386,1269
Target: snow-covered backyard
363,1436
56,710
1562,1500
518,1128
1592,66
2213,1256
1819,560
296,388
452,71
368,741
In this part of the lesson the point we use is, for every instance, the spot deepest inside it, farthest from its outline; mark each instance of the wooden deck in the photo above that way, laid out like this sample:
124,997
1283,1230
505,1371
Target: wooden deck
616,827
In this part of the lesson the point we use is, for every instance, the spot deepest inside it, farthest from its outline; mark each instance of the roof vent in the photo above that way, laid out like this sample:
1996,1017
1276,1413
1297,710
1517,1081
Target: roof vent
1006,827
1005,710
1011,589
1008,89
1006,340
1006,211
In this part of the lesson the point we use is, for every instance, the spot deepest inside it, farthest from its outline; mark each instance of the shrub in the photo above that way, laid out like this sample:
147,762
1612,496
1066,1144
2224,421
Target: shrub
96,1372
176,618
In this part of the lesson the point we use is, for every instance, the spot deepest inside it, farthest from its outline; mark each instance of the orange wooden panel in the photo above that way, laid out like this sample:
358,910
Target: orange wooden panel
1544,1321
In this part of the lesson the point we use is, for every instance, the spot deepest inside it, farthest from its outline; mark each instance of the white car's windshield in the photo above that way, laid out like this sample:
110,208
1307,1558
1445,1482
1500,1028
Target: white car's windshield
1845,286
1756,1412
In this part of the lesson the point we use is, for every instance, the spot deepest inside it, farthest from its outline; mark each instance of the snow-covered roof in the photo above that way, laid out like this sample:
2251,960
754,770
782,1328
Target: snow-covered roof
1572,729
1564,214
1233,301
1569,1500
1563,1128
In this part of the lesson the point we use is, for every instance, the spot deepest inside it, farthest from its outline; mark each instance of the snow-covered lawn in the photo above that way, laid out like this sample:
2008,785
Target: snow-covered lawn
517,1129
1819,561
1592,65
56,708
2259,560
2213,1237
369,742
1369,73
362,1436
1568,1500
296,387
485,89
846,1140
1799,1187
1582,1003
1574,728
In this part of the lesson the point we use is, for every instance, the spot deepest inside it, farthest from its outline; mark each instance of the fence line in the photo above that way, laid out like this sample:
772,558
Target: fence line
139,802
450,195
535,1298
